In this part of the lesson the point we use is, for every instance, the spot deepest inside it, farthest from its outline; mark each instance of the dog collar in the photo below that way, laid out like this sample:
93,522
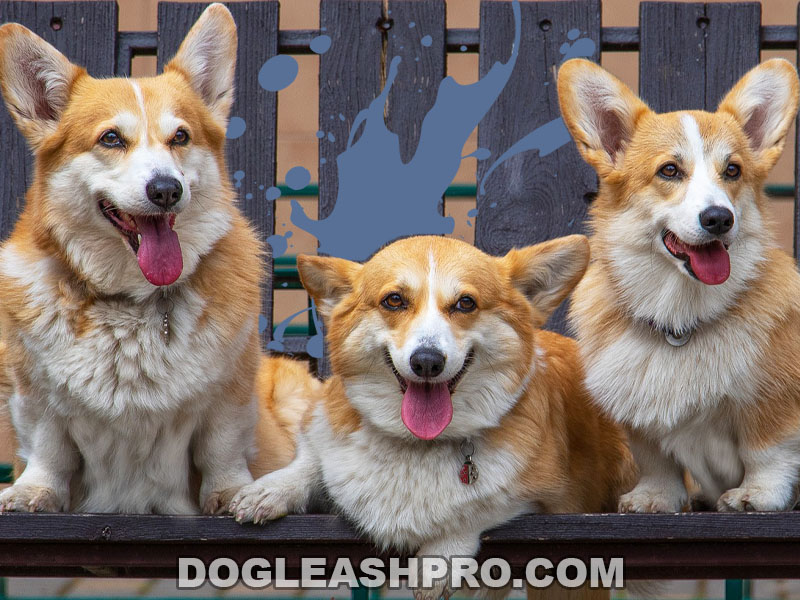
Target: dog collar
674,338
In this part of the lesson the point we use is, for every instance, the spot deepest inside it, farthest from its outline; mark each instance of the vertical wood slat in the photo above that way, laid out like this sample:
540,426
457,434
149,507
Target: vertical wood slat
691,54
366,37
88,37
254,152
530,198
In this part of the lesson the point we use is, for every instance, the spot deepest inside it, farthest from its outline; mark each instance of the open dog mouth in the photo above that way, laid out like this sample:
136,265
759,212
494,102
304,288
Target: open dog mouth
152,239
709,263
427,407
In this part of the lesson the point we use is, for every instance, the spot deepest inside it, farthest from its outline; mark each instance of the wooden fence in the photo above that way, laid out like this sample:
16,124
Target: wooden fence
689,55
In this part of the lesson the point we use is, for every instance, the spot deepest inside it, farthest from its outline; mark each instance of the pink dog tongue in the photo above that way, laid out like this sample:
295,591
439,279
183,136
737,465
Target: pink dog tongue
159,252
426,409
710,262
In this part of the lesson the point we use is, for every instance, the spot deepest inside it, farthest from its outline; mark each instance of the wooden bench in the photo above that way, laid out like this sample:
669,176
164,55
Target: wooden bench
689,55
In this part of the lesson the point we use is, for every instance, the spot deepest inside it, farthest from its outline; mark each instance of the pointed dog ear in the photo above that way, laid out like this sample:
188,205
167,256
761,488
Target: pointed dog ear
36,80
546,273
764,103
599,111
207,58
326,279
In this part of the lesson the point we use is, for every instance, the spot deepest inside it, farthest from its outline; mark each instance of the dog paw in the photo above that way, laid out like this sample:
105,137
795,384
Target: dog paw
649,500
259,503
31,498
218,503
752,499
440,589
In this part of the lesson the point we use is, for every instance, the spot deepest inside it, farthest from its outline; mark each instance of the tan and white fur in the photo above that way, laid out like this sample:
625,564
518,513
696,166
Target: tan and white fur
726,405
515,392
110,416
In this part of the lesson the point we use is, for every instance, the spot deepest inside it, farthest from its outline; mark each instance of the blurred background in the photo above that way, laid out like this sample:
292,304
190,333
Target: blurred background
298,145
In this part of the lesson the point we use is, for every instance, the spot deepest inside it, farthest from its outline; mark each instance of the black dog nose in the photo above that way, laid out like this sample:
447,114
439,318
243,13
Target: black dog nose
716,220
163,191
427,362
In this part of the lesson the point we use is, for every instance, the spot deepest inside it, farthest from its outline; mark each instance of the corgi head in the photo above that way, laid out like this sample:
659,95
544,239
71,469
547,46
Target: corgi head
130,181
433,338
680,193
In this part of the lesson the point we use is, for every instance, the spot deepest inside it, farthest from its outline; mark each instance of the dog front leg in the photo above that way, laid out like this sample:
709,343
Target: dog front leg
43,485
220,453
770,479
660,488
287,490
432,585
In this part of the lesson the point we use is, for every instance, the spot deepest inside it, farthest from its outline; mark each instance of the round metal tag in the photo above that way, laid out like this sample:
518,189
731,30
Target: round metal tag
675,340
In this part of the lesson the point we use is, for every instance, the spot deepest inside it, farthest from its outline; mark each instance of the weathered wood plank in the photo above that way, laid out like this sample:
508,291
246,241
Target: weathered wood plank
350,77
86,33
254,152
421,70
653,546
692,53
531,198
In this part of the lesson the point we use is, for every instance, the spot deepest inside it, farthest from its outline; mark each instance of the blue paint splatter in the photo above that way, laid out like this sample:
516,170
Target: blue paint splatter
480,154
279,243
341,117
547,138
262,323
237,177
236,127
278,73
261,187
582,48
463,48
410,192
248,196
426,41
273,193
411,25
314,347
280,332
320,44
297,178
472,212
331,137
320,134
550,136
322,161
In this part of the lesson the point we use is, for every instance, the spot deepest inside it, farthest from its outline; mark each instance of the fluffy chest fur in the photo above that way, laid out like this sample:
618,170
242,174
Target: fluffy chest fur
109,357
643,381
405,494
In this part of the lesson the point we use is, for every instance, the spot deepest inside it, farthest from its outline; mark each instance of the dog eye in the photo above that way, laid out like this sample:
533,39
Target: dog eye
669,170
732,171
393,301
466,304
111,139
181,138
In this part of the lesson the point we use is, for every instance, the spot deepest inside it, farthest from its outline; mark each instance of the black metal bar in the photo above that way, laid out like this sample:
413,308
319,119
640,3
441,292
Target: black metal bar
676,546
297,41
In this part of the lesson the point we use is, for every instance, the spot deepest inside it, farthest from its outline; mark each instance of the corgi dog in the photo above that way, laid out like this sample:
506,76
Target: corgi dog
688,316
449,411
130,288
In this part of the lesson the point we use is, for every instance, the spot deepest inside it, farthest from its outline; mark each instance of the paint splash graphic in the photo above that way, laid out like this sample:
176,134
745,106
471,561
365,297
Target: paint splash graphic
408,194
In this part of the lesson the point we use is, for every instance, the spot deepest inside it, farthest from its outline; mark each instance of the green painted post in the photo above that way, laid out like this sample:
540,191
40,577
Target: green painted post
734,589
359,593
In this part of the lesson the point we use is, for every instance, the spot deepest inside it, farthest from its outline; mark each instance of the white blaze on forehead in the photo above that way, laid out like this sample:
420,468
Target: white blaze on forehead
169,123
702,191
137,91
127,123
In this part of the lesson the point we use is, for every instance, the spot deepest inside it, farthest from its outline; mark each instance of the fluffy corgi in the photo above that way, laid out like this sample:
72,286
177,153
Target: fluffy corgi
449,411
688,318
129,288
